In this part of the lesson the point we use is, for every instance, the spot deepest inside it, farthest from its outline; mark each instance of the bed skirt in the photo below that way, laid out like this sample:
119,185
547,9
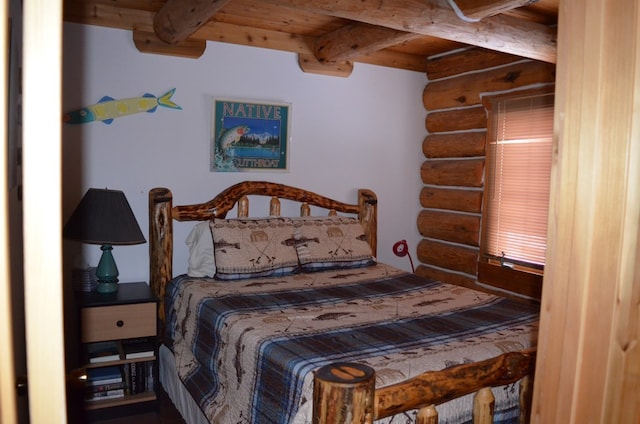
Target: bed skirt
182,400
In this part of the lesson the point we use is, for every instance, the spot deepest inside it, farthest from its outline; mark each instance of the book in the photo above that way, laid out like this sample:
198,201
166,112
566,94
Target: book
103,352
111,394
106,394
138,348
106,387
104,375
149,384
134,379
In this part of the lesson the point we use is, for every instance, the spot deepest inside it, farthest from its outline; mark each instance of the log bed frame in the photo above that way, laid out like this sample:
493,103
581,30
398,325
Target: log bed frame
344,393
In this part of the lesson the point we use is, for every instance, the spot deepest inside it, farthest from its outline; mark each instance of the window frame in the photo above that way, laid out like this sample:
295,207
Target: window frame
520,279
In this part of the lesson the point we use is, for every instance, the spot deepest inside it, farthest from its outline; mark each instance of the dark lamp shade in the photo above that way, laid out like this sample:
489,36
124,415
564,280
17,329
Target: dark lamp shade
104,217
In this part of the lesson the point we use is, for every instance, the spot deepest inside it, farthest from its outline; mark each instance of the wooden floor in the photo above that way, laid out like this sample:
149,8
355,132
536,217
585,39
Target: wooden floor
166,414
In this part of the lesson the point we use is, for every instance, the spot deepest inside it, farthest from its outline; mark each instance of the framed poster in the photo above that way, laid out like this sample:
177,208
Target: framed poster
249,136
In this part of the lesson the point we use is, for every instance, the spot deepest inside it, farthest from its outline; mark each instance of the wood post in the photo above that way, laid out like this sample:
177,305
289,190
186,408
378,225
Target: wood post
305,209
274,206
160,243
483,405
243,207
427,415
526,394
343,394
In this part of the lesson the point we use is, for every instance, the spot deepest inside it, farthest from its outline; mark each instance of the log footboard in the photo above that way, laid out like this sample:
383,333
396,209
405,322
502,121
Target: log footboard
344,393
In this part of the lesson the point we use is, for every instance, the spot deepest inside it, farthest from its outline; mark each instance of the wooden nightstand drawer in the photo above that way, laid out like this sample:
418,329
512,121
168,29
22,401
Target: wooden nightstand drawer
118,322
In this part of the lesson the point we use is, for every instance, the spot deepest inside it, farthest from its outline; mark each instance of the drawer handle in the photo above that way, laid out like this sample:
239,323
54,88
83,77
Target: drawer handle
120,323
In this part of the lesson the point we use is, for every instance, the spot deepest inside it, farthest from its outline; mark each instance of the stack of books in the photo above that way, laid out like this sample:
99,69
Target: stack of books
139,377
114,380
84,279
137,348
105,383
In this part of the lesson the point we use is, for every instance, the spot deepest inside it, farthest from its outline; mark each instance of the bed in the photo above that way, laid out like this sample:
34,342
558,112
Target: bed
292,320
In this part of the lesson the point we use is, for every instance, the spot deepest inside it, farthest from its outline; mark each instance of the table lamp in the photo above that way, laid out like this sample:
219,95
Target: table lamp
104,217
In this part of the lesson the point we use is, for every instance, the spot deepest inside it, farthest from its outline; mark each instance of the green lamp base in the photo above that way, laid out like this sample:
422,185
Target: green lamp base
107,287
107,272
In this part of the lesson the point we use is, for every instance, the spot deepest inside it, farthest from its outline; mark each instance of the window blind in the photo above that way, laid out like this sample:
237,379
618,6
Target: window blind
518,179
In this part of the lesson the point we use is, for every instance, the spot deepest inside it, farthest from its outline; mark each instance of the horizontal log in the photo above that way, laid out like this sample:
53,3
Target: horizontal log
457,119
436,387
178,19
448,256
464,173
463,61
310,64
358,39
148,42
95,13
428,271
455,145
465,90
450,226
451,199
435,18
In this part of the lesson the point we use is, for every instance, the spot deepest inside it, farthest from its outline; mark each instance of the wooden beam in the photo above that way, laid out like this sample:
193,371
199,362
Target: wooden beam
308,63
435,18
357,39
92,12
178,19
478,9
148,42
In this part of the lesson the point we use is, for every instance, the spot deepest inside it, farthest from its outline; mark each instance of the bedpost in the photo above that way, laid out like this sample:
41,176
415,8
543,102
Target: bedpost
483,406
368,215
343,393
160,245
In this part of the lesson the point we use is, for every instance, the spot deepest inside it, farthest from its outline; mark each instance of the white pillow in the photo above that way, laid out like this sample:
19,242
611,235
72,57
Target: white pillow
200,244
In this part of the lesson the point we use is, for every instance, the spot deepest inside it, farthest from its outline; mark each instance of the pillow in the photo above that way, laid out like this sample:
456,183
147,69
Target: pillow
200,244
330,243
248,248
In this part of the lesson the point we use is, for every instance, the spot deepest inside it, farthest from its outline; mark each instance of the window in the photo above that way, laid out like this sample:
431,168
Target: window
516,196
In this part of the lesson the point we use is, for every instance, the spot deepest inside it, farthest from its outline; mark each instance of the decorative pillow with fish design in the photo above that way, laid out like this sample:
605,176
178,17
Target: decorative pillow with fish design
331,242
249,248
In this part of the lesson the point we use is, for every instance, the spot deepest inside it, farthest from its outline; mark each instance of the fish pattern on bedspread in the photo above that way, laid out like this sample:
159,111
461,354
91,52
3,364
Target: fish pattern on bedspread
246,350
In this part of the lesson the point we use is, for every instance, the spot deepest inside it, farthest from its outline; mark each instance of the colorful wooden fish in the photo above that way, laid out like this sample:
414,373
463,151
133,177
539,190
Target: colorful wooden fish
107,109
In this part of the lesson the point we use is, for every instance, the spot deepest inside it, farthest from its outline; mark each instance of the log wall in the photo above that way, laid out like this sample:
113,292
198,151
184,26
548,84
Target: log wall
454,150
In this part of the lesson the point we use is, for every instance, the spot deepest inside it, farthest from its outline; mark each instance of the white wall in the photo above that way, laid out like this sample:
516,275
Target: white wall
346,133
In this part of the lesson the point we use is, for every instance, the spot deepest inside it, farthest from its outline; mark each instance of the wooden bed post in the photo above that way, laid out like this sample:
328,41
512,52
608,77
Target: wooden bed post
368,215
343,393
160,244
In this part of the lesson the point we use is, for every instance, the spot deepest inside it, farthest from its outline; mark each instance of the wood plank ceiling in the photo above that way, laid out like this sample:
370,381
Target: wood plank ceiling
329,36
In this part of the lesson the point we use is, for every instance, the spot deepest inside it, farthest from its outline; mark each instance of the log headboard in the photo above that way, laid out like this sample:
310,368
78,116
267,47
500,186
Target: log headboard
162,213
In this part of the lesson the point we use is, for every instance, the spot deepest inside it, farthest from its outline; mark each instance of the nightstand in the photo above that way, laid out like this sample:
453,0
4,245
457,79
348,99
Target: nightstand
126,321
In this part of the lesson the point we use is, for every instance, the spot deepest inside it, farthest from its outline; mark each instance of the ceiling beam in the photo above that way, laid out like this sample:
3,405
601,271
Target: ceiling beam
92,12
148,42
358,39
437,19
309,64
178,19
476,10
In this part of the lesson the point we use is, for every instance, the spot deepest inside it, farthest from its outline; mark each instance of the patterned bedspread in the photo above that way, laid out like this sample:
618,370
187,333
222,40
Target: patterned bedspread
246,350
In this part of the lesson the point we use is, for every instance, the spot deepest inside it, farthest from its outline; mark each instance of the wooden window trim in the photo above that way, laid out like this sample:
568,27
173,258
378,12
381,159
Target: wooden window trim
520,280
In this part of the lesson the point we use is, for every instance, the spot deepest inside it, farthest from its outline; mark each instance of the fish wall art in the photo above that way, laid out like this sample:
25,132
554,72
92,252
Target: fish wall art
107,109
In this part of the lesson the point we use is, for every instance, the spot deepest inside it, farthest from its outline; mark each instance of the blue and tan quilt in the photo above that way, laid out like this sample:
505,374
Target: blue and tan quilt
246,350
